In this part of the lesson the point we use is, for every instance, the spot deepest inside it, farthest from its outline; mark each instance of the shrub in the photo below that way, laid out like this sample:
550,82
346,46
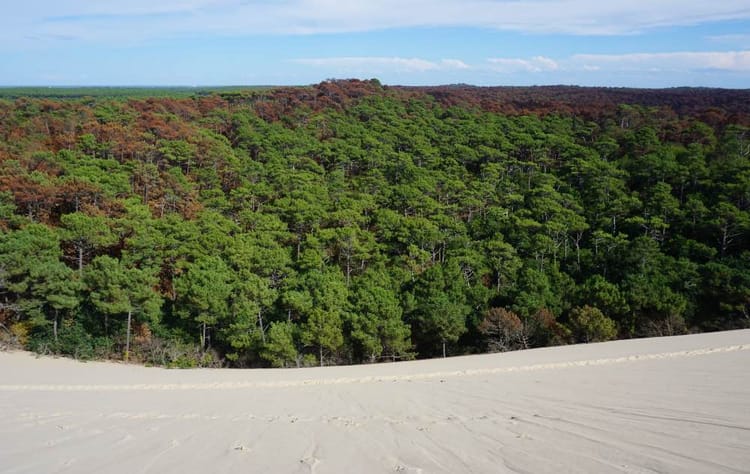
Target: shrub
591,325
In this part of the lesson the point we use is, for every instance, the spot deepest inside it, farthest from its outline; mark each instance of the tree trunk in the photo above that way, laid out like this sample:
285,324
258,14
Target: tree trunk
321,356
443,349
127,337
80,258
525,339
348,268
54,326
260,323
203,337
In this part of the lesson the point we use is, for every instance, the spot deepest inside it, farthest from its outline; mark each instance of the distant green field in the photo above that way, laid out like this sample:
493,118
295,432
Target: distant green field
119,92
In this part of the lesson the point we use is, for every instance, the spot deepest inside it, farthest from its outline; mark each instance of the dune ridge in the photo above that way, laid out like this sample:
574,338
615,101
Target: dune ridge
674,405
369,379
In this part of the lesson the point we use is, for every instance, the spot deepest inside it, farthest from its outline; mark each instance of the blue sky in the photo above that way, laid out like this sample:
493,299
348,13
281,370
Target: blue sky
637,43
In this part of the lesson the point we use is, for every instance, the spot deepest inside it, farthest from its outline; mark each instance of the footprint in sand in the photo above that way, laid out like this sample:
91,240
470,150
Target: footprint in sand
126,439
402,468
310,458
311,462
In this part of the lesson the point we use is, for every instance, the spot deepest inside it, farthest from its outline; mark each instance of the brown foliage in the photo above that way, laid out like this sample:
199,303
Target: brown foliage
542,329
594,103
34,199
502,328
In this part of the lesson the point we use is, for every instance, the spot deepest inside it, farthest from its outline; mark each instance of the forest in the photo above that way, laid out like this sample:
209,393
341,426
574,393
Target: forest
351,222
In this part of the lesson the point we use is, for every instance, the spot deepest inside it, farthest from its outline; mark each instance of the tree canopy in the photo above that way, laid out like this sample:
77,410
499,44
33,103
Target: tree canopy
351,222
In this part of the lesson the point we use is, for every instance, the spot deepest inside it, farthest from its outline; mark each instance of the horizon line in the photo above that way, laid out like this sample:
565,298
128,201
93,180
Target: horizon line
460,84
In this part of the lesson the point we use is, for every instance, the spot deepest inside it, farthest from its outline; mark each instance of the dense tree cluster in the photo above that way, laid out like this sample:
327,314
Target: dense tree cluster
349,222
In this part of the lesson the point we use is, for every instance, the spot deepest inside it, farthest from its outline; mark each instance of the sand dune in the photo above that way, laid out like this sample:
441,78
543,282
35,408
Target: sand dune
679,404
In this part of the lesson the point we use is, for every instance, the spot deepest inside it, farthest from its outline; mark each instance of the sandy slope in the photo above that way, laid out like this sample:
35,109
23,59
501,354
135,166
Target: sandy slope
678,404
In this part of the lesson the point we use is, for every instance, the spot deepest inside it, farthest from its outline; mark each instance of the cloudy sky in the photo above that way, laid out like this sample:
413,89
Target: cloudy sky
639,43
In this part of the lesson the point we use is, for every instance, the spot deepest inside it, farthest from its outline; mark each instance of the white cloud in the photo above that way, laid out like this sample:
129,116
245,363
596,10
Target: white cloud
737,40
727,61
648,64
511,65
368,64
729,37
97,20
737,61
454,64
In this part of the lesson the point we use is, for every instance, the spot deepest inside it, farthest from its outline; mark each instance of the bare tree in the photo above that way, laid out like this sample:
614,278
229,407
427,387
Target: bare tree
502,328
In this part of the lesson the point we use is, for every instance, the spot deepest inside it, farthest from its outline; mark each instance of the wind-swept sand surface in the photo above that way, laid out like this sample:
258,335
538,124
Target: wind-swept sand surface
679,404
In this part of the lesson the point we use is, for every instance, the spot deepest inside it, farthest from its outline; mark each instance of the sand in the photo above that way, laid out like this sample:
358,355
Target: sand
679,404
